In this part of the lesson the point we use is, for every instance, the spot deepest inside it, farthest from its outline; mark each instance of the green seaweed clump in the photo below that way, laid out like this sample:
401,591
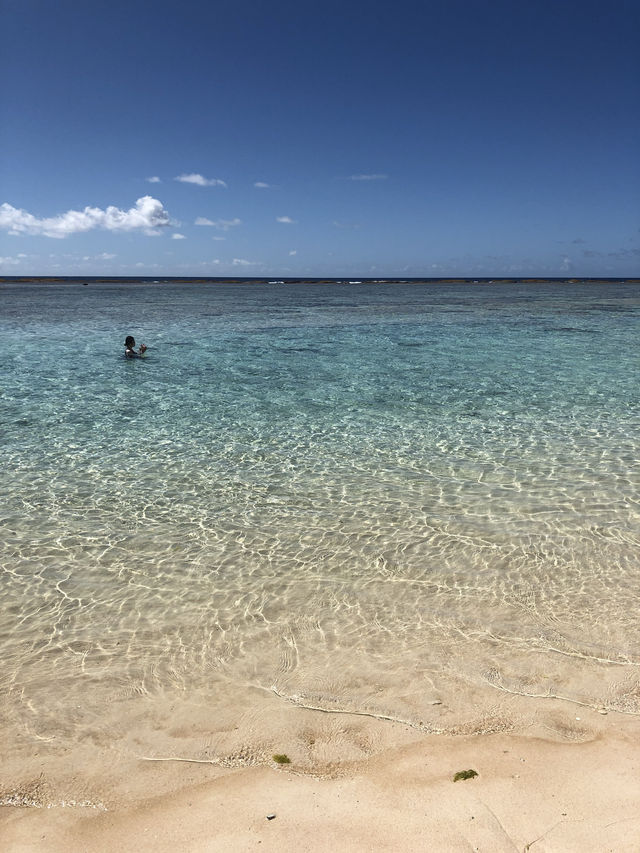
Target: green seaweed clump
461,774
282,759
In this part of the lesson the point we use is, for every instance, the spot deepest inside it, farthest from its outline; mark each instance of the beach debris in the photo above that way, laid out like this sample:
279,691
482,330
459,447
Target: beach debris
271,816
281,758
464,774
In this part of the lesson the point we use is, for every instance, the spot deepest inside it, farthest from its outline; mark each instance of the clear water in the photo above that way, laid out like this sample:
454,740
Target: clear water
409,501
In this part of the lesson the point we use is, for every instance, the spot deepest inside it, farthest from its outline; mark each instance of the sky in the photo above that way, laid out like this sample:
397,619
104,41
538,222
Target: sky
352,138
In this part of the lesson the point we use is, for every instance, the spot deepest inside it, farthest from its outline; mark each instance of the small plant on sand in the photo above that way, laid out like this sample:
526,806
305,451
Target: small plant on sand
281,759
464,774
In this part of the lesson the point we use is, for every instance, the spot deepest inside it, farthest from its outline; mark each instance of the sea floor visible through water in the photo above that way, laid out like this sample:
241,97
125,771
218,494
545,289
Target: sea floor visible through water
313,520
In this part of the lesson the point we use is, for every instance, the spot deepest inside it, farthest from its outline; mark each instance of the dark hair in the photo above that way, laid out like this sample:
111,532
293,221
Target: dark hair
130,341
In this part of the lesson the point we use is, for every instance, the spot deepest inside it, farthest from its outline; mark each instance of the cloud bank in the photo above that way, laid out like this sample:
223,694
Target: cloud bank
200,180
147,216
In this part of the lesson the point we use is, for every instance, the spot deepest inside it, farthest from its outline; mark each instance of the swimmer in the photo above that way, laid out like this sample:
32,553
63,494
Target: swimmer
129,348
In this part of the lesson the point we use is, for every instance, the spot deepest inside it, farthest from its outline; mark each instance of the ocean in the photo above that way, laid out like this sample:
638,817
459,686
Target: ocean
310,510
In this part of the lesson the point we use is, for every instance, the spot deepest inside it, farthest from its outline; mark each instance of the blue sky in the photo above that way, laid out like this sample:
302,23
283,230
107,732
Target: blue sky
334,138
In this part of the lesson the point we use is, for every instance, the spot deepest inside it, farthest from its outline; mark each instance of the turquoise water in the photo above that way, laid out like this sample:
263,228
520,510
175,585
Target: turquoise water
410,501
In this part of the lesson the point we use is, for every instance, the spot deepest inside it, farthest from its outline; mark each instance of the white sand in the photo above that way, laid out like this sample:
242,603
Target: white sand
530,794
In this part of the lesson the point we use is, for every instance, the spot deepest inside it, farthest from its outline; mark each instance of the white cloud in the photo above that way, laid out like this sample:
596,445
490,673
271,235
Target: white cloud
217,237
200,180
368,177
286,220
147,215
103,256
240,262
261,185
178,237
222,224
5,262
154,179
293,252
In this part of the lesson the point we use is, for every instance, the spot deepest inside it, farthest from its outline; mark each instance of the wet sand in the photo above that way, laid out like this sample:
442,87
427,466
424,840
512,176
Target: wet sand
530,794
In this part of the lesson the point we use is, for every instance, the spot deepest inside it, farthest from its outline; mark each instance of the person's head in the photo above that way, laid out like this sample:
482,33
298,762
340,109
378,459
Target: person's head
130,342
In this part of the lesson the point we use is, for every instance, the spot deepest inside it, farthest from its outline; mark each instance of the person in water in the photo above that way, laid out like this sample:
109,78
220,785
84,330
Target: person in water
130,348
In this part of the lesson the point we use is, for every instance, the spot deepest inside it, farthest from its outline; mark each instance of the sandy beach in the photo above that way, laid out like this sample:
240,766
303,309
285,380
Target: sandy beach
530,794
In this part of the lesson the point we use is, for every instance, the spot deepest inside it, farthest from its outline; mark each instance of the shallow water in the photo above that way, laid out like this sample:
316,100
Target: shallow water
409,501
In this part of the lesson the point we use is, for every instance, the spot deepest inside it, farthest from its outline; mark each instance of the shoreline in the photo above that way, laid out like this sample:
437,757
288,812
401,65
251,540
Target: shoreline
558,796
